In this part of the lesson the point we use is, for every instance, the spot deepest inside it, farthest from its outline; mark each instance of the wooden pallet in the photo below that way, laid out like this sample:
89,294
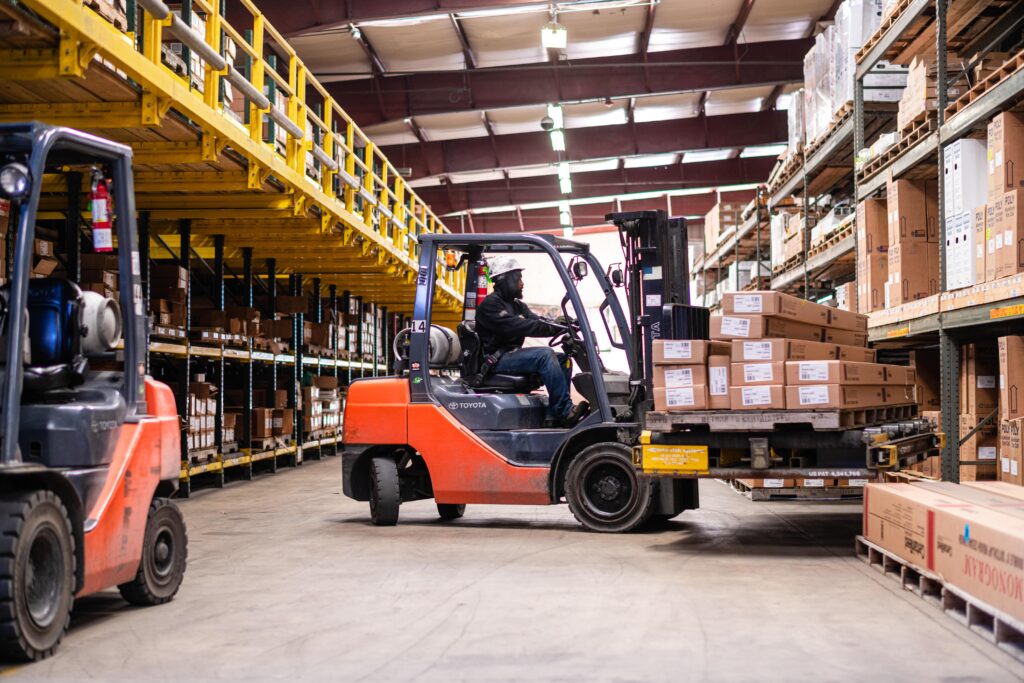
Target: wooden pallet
757,284
108,11
793,262
770,420
229,449
790,167
1010,67
910,138
270,443
202,455
887,22
800,493
835,238
995,626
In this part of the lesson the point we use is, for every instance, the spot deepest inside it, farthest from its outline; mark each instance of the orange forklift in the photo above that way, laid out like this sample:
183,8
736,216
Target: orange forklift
90,444
441,428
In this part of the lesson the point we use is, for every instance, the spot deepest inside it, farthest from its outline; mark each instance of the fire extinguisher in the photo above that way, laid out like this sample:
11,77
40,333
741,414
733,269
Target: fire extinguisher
481,283
102,232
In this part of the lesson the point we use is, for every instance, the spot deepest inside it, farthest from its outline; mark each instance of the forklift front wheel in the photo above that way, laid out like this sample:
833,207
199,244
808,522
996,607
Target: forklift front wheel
385,493
37,570
604,491
450,511
164,556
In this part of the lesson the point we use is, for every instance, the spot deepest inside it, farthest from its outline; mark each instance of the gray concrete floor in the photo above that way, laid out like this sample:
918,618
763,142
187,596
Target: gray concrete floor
288,580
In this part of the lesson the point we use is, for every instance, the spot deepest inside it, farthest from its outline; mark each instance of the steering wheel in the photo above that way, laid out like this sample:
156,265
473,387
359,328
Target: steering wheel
570,335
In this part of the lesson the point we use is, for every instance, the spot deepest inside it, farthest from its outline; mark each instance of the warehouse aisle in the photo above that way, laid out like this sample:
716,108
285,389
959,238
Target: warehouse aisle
288,580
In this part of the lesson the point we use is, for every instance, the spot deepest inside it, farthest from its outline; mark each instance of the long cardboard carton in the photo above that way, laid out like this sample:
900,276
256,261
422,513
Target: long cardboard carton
759,327
775,350
1011,454
718,382
834,372
1011,377
680,399
776,304
833,396
756,374
672,376
685,351
770,397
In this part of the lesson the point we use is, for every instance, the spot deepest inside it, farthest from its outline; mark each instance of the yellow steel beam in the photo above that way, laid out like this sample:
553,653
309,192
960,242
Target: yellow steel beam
191,181
30,64
81,114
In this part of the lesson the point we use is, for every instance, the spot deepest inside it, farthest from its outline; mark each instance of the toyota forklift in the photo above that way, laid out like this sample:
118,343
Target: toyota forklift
441,428
89,444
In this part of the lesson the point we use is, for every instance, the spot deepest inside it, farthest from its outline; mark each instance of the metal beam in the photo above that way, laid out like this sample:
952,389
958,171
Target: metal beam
524,191
676,71
527,149
736,29
467,50
645,35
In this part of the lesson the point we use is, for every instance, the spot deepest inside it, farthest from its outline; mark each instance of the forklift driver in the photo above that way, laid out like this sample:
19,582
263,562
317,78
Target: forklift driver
503,322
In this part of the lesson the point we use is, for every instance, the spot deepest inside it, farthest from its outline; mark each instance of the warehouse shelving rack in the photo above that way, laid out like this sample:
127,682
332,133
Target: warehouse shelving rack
220,193
940,319
750,240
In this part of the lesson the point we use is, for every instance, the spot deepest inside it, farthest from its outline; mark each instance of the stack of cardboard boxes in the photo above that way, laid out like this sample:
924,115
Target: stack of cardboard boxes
913,241
772,351
167,290
979,396
321,406
1010,466
920,97
720,221
970,536
202,411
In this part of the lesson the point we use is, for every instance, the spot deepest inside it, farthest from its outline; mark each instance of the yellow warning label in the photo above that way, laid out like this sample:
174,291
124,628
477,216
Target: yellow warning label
898,332
674,459
1006,311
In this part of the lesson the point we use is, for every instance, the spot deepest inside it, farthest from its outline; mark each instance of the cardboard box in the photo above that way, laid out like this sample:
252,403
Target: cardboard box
925,525
846,297
845,337
1010,259
760,327
775,304
927,383
993,218
680,399
847,320
1005,154
979,383
907,216
769,397
718,382
672,376
913,272
775,350
859,354
280,399
872,228
978,455
262,423
283,421
900,374
834,372
872,275
755,374
1011,377
833,396
1011,454
980,242
683,352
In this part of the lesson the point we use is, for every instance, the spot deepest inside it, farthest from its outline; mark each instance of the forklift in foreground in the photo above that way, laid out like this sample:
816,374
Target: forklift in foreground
89,454
440,429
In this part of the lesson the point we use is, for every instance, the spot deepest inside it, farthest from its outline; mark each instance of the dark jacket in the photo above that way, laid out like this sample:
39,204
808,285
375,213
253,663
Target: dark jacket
504,325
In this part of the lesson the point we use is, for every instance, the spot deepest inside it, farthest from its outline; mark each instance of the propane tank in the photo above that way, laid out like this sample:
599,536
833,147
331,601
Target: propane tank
102,233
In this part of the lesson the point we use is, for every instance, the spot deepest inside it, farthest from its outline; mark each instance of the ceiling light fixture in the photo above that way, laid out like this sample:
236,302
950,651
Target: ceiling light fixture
558,140
554,36
565,185
557,116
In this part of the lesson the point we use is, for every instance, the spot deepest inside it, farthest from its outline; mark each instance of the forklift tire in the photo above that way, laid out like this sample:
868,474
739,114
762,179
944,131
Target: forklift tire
450,511
164,557
604,492
385,493
37,575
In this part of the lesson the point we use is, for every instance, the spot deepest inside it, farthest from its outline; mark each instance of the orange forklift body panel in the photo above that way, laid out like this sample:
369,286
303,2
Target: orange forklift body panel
146,452
375,412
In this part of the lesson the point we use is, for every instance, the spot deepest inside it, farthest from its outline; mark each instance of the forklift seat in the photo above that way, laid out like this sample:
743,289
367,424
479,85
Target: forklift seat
55,336
472,362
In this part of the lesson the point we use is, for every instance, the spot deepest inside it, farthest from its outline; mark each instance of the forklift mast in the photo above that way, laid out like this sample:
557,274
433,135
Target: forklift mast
655,256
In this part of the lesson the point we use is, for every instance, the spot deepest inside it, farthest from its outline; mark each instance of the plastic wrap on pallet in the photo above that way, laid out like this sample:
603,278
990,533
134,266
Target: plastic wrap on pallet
795,123
777,228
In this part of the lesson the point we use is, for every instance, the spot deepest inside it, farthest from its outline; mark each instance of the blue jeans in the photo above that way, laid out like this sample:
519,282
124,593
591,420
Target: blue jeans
552,368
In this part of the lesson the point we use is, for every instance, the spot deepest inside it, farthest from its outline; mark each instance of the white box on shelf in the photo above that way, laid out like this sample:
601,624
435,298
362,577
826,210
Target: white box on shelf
965,174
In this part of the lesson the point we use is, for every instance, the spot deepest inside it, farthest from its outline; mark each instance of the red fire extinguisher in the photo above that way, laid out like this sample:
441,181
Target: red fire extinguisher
481,284
102,233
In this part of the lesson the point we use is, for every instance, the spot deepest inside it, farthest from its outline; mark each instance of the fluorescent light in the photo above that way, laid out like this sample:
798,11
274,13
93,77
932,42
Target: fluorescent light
556,115
554,36
558,140
565,217
648,160
762,151
563,170
567,232
706,155
565,184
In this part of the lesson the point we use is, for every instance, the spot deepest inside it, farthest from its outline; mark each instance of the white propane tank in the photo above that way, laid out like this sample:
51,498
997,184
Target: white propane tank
445,348
101,320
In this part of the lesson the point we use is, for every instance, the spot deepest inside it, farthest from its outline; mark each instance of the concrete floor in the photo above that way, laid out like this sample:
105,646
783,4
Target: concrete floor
288,580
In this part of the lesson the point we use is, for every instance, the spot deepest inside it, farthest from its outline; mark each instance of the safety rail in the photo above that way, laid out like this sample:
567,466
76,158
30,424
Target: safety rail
284,111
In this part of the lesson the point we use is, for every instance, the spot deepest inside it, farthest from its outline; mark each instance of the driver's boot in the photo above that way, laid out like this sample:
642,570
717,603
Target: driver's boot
577,413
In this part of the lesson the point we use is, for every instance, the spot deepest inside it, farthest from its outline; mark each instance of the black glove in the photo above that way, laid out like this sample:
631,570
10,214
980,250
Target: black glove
566,322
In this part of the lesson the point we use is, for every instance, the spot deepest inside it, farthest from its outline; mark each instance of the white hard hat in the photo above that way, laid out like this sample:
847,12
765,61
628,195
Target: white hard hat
499,265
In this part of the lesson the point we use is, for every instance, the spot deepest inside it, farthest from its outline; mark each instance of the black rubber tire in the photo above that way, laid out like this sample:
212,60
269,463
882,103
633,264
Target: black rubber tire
37,575
385,493
604,492
449,511
164,557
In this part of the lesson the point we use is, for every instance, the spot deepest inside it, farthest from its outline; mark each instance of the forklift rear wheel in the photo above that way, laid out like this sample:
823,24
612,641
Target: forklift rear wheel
164,557
37,575
450,511
385,493
604,492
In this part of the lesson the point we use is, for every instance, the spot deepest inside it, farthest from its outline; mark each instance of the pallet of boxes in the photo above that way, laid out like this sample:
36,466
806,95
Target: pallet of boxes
168,290
272,419
321,401
202,417
770,351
